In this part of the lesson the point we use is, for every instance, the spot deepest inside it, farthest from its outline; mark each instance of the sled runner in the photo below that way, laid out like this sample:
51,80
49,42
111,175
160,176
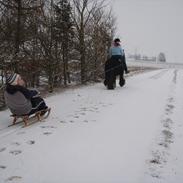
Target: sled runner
27,119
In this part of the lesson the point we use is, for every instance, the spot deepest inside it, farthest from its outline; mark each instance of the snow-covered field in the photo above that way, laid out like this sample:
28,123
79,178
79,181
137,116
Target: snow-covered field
132,134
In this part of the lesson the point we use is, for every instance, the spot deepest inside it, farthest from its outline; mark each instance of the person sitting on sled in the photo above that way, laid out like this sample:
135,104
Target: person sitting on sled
19,99
117,53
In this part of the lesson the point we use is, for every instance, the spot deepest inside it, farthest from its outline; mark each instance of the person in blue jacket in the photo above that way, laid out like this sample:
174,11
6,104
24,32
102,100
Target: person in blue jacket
115,65
117,53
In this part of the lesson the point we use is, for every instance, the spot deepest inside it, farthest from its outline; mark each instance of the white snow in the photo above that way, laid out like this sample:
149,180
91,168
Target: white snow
93,135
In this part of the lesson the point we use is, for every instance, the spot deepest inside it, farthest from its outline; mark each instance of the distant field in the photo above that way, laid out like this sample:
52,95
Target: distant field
151,64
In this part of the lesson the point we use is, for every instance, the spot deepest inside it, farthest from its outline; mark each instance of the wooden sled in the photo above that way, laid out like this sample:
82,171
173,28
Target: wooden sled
26,118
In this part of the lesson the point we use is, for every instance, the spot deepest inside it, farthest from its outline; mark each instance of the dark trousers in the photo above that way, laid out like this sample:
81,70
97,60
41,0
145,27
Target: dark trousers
37,104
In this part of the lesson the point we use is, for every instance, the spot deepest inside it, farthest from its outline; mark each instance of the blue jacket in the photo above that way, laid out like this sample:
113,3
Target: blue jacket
116,50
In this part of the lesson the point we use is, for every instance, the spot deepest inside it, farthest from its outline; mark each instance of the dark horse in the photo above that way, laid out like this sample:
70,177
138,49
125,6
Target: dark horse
114,67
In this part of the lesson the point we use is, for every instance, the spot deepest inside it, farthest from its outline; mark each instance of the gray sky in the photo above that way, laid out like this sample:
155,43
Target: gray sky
151,26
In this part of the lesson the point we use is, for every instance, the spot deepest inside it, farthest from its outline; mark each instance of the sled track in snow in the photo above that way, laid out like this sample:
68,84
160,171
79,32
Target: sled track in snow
159,75
160,154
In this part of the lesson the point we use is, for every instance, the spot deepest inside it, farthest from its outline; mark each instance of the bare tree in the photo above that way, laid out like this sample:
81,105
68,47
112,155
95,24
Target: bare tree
64,34
81,14
14,17
51,38
104,28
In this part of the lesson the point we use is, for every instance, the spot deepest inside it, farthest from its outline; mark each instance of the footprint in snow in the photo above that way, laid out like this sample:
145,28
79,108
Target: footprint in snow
14,178
31,142
155,161
16,143
63,122
168,111
167,133
2,149
171,99
164,144
15,152
170,106
83,108
47,127
47,133
156,176
83,113
168,120
2,167
166,125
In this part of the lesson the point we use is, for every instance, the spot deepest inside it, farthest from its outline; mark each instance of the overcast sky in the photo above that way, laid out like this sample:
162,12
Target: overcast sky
151,26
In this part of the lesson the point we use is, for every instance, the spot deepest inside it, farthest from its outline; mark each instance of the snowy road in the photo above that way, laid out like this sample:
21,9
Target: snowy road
93,135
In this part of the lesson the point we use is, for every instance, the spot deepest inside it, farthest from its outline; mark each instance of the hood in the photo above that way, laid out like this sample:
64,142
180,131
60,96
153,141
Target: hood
11,89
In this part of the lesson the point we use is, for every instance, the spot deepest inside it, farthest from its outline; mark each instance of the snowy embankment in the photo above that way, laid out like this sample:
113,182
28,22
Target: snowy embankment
153,64
93,135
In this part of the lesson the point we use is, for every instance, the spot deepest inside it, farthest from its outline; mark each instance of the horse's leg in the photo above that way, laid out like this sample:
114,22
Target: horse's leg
121,79
114,81
111,80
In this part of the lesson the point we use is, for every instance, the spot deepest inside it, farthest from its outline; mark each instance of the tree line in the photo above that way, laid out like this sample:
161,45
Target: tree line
56,41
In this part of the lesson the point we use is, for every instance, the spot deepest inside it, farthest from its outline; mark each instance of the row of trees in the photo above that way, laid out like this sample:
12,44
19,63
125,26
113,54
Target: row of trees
160,58
56,40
